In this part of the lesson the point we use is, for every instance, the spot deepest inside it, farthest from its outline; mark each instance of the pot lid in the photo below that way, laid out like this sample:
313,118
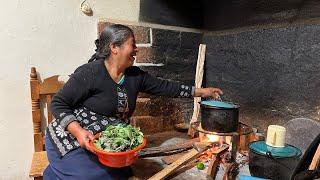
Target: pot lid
261,147
219,104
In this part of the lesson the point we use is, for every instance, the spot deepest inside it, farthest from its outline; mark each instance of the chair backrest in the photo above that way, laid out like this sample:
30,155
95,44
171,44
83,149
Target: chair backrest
42,92
301,132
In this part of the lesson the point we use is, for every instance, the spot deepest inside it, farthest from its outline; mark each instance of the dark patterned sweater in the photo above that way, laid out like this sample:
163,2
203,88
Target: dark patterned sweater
95,100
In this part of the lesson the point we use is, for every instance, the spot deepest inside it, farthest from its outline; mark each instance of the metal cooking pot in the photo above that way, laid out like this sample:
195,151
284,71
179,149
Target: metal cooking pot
218,116
272,163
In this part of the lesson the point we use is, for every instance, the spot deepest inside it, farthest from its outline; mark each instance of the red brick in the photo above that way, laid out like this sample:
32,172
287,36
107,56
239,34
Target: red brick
142,34
146,55
102,25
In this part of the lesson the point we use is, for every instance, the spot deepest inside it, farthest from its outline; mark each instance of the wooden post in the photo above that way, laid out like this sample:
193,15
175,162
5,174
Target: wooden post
49,99
35,101
198,84
315,160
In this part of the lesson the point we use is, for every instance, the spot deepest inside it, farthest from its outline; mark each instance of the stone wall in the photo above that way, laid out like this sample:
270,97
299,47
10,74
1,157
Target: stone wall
222,14
272,72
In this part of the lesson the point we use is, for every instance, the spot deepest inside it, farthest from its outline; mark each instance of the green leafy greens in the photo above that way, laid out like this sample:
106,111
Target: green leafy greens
119,138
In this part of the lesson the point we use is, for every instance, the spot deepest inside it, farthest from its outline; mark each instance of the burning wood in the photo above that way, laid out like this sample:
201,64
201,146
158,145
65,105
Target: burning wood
223,151
211,153
231,171
215,161
219,142
213,166
213,138
194,153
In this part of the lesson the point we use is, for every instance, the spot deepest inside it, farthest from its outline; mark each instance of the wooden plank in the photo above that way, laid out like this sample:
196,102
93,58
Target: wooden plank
193,153
184,168
39,163
34,84
38,142
315,160
170,168
51,85
230,171
36,116
166,150
198,84
172,158
212,169
48,101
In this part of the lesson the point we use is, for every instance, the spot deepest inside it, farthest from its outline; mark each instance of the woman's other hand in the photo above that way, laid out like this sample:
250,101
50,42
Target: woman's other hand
83,136
209,92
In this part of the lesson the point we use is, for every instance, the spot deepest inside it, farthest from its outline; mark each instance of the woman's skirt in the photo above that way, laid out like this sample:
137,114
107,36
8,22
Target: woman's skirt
79,164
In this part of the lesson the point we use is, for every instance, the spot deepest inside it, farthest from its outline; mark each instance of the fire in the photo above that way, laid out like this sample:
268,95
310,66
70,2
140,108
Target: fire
213,138
218,139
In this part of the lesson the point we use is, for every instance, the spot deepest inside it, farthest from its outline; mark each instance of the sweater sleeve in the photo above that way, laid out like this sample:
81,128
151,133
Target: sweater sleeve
75,91
162,87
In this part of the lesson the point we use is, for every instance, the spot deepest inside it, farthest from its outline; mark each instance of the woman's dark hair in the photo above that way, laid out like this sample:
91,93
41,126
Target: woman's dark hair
115,34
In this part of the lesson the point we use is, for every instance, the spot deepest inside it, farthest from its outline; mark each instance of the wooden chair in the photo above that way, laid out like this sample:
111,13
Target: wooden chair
41,93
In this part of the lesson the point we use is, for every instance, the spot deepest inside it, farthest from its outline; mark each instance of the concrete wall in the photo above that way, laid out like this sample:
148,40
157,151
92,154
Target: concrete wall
54,36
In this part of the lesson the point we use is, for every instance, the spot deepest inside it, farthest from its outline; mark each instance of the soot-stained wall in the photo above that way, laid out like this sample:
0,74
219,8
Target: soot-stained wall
226,14
272,73
187,13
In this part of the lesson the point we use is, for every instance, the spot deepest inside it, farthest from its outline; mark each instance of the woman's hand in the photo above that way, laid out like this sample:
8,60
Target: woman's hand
83,136
209,92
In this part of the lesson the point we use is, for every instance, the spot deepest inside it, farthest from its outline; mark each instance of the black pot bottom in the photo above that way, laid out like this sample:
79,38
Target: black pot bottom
266,167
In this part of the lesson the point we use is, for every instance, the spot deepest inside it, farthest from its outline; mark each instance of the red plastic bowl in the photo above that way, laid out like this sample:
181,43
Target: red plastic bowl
117,159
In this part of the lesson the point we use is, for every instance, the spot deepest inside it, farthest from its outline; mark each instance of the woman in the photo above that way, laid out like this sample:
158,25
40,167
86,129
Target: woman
99,93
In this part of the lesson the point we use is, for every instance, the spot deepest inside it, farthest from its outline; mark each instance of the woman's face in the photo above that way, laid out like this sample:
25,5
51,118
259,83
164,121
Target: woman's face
127,52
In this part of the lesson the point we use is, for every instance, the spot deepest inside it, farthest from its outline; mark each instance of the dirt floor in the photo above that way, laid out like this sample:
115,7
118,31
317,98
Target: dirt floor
147,167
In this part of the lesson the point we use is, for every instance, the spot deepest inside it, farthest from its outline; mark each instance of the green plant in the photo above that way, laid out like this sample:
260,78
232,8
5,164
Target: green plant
119,138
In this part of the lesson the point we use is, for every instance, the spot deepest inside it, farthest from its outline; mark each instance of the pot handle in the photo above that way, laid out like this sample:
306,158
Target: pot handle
215,99
221,100
269,155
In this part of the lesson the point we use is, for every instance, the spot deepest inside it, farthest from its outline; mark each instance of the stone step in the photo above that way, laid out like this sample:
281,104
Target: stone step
143,107
143,95
155,106
148,124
